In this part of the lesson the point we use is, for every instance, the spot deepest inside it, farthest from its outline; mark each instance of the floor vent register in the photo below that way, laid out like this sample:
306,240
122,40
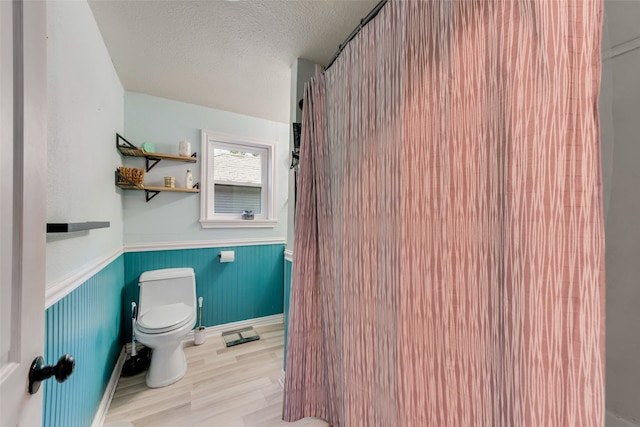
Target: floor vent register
240,336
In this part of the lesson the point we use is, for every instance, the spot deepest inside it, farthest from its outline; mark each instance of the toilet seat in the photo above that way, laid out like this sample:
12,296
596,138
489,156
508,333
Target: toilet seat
165,318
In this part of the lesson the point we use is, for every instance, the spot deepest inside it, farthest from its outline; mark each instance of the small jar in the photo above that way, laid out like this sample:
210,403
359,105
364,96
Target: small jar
184,149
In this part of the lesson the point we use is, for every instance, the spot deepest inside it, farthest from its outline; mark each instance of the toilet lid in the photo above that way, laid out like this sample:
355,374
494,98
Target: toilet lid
165,318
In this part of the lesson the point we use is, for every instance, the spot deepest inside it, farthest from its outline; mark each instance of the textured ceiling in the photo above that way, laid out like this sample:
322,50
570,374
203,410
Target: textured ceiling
236,55
230,55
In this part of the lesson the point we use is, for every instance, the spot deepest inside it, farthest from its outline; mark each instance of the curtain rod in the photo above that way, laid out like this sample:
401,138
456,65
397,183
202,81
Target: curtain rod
363,22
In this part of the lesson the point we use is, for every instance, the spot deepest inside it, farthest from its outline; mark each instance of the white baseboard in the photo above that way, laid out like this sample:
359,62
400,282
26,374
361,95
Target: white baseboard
281,379
101,413
614,420
258,321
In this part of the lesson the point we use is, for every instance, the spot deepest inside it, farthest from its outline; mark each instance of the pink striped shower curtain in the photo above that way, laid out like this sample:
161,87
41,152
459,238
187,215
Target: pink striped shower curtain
449,247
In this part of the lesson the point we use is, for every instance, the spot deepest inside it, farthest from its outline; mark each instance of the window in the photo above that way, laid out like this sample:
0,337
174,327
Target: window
237,176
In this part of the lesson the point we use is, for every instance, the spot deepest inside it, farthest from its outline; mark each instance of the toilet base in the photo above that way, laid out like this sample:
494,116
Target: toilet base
168,365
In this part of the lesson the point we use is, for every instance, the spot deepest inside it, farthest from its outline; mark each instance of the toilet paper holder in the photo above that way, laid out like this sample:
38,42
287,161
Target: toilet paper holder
227,256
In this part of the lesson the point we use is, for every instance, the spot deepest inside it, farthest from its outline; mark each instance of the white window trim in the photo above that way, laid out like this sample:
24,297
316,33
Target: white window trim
265,220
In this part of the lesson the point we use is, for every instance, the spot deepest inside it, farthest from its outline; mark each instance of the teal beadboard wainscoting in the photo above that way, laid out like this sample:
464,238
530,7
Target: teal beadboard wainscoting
248,288
86,324
92,322
288,267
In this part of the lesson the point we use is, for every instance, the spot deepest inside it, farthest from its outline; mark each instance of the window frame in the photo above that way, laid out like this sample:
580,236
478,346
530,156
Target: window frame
208,217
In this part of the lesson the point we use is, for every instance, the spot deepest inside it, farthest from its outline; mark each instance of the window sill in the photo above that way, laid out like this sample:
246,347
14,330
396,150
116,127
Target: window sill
238,223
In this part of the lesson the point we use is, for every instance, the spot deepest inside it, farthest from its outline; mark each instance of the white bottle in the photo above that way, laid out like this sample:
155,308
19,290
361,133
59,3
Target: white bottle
188,179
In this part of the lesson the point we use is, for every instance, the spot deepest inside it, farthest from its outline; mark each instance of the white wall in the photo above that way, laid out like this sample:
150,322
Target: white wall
301,72
85,110
623,242
174,217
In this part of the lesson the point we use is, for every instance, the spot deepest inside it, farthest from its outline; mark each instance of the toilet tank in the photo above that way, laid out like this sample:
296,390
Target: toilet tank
167,286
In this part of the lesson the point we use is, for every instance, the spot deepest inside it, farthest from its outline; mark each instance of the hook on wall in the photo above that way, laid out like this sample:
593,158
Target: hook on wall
295,154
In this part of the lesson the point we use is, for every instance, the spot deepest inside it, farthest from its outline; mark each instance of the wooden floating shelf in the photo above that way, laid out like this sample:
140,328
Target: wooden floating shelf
173,189
155,156
70,227
158,189
128,149
159,156
151,191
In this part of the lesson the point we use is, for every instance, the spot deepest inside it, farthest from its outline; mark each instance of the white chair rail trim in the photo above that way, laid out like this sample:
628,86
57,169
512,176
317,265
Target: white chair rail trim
166,246
58,289
288,255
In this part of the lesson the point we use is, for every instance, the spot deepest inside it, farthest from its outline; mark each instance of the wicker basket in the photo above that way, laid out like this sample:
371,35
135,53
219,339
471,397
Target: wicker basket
135,175
135,152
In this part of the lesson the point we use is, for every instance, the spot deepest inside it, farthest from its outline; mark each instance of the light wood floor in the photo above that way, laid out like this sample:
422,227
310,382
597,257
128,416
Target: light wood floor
224,387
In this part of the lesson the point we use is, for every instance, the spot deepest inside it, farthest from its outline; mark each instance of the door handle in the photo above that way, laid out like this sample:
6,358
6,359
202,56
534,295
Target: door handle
38,372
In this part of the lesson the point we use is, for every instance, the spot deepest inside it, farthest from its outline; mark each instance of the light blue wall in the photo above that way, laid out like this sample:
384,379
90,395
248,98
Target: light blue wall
248,288
86,324
174,217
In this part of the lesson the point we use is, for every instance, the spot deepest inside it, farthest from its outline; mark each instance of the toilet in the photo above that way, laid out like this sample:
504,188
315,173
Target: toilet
167,312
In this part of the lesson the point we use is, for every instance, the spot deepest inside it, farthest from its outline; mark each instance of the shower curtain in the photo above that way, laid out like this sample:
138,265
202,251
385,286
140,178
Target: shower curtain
448,258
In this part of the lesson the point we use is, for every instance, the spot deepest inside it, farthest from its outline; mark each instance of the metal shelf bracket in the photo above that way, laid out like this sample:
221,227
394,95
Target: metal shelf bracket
151,165
123,180
126,144
150,194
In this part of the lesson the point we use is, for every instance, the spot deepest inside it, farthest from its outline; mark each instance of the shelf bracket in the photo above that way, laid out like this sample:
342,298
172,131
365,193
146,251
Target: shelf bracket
150,166
126,145
150,194
196,185
123,180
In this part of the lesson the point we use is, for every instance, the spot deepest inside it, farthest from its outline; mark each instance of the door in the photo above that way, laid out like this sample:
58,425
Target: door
22,205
